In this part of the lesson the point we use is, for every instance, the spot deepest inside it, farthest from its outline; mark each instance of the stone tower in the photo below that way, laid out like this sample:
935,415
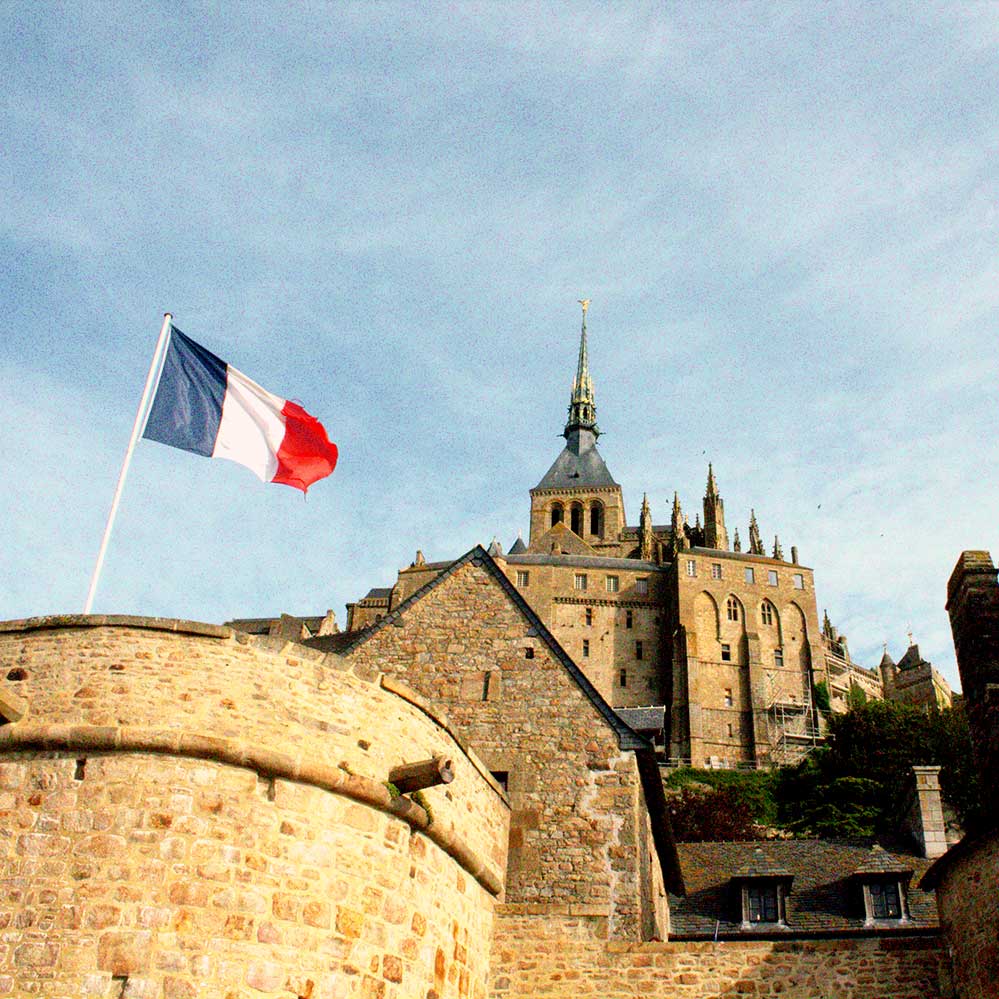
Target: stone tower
715,535
577,503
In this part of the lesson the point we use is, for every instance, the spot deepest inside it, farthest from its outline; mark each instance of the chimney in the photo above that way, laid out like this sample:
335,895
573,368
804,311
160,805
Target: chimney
973,605
926,817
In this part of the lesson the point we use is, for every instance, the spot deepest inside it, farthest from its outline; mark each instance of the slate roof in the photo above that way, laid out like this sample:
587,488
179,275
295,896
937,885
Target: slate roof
262,625
578,466
378,593
825,894
651,719
518,547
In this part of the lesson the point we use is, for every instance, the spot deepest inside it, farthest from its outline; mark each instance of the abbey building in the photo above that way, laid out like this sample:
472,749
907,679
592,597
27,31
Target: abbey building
679,627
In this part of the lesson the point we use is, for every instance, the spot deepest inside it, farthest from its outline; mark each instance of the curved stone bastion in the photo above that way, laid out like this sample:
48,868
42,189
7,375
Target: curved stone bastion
186,811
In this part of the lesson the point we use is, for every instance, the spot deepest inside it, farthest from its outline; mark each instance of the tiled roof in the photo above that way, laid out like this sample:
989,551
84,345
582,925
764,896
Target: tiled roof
378,593
824,897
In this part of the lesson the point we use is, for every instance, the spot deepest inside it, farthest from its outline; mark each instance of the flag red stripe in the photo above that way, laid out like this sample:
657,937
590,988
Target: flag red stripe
306,454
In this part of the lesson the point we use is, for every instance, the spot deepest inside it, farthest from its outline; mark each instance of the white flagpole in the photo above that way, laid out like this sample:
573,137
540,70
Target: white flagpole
137,427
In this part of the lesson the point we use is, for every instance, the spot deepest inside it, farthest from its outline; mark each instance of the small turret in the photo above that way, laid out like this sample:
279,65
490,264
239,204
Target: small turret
755,542
778,551
715,535
678,541
736,543
646,537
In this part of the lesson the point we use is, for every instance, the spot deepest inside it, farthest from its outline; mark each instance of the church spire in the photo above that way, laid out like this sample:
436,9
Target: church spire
755,542
715,535
582,408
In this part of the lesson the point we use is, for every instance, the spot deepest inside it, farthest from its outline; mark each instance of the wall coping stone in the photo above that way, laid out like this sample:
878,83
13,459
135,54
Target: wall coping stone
52,622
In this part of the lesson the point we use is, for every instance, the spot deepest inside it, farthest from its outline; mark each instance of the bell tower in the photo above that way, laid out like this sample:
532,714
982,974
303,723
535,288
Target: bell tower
577,498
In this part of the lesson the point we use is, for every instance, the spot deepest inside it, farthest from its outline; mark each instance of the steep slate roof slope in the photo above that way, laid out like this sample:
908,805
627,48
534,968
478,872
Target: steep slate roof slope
577,469
824,898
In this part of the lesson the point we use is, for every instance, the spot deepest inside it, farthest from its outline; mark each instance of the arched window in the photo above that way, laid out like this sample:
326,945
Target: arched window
732,609
576,519
767,612
557,514
597,519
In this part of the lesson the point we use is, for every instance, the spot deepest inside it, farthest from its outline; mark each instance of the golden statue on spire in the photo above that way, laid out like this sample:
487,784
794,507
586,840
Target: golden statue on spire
585,303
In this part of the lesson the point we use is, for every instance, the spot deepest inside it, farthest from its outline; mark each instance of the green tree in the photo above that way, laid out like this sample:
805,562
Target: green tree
822,695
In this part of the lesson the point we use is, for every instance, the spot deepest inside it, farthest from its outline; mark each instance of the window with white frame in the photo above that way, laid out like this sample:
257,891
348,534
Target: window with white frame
799,581
523,578
579,581
726,652
642,585
716,570
767,612
779,658
691,567
750,575
732,609
613,584
772,577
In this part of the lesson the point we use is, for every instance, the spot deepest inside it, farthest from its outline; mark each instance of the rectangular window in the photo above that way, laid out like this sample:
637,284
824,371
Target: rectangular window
762,903
589,617
885,901
639,649
629,619
642,585
772,577
779,658
586,648
579,582
691,567
523,578
799,581
728,697
726,652
730,730
613,584
622,678
750,576
716,570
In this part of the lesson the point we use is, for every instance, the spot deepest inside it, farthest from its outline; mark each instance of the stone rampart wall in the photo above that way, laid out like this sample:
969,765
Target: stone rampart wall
569,956
969,913
184,813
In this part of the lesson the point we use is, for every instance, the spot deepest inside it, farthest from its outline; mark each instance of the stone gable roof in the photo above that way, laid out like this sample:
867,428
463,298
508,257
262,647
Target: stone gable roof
627,738
825,892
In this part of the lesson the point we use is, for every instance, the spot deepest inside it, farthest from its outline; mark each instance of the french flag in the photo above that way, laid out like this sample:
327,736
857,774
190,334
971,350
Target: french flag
206,406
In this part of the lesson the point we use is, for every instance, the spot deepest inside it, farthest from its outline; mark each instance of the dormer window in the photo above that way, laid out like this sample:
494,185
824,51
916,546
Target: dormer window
886,901
762,904
883,881
762,890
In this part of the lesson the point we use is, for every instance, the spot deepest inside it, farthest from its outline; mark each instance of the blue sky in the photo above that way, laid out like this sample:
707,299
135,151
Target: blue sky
785,217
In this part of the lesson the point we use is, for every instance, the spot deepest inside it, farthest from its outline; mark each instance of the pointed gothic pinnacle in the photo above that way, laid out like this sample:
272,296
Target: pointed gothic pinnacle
778,551
712,489
736,543
645,504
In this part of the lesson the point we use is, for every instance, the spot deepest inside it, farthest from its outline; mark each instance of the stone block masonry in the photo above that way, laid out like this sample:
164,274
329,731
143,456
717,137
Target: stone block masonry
187,814
569,956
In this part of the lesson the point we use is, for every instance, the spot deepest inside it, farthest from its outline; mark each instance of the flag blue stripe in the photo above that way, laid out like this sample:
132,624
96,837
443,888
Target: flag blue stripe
187,410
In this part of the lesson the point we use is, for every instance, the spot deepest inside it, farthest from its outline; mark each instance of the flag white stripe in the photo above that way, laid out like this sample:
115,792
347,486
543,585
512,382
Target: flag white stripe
252,425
